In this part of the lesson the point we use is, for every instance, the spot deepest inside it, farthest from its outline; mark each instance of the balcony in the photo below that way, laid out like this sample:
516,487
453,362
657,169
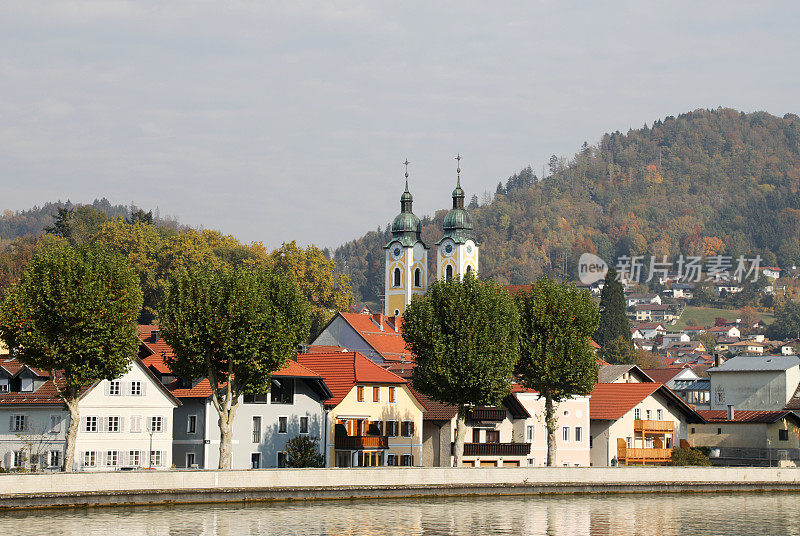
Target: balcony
643,456
653,427
494,449
343,442
487,414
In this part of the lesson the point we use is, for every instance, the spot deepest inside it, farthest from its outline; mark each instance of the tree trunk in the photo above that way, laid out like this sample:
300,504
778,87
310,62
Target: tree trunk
550,422
461,434
72,434
225,436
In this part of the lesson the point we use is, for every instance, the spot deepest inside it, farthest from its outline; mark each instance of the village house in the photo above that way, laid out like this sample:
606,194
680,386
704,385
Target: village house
637,423
651,330
632,300
746,347
653,312
684,382
759,383
771,272
622,374
125,423
373,418
727,287
680,291
263,425
726,331
694,331
671,339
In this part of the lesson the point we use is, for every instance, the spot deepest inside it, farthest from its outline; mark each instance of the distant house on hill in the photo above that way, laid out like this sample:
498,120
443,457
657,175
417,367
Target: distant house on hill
653,312
632,300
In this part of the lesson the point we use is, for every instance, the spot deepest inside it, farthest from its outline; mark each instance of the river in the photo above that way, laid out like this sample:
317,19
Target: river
735,514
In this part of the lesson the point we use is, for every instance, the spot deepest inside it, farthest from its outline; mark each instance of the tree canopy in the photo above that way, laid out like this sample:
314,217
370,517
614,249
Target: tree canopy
613,326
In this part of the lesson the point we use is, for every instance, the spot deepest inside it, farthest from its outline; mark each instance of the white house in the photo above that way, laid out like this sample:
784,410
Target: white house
673,338
754,382
124,422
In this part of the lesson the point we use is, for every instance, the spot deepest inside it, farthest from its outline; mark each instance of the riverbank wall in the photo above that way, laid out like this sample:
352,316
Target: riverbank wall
185,487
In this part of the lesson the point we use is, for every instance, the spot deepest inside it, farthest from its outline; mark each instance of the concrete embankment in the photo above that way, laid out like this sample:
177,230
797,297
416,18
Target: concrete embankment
176,487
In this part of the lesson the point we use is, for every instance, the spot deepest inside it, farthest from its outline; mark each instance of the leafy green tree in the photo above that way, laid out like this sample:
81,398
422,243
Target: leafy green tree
613,321
557,321
325,290
463,335
77,225
73,313
303,451
787,320
620,351
234,326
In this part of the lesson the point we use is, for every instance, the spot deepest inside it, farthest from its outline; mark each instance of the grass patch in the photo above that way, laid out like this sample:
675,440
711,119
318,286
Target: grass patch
704,316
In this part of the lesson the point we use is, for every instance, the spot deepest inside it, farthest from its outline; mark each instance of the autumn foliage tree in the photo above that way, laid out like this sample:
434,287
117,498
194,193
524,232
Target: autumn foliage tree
73,313
233,326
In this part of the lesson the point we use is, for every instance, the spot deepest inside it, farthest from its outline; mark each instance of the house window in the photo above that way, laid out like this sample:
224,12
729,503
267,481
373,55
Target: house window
493,436
692,429
156,424
54,458
476,435
783,435
629,442
282,391
578,434
89,458
391,460
637,414
660,414
114,388
136,424
532,462
418,278
55,424
408,460
90,424
19,423
112,424
448,272
3,385
530,433
255,399
26,385
155,458
191,424
283,424
255,460
190,459
391,428
565,433
133,458
396,278
136,388
303,425
392,395
256,431
408,428
376,394
719,431
17,459
360,393
648,414
112,458
281,459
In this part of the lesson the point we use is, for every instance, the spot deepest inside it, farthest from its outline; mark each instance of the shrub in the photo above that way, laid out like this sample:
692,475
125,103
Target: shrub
303,451
689,456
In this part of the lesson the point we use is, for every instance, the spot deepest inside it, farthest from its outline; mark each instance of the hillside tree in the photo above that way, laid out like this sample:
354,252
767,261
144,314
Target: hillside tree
613,320
73,313
556,360
463,335
233,326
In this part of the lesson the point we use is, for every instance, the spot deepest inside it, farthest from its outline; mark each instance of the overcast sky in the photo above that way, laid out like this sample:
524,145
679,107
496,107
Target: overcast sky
282,121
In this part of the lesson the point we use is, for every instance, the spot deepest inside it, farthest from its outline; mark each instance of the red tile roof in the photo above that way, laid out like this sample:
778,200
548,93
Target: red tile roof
342,370
322,349
610,401
381,332
744,416
158,349
293,369
201,390
663,375
44,395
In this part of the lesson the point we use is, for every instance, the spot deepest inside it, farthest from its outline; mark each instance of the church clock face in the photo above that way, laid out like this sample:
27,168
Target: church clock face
469,249
448,249
396,252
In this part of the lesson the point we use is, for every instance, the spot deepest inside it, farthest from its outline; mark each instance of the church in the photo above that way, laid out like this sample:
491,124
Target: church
407,255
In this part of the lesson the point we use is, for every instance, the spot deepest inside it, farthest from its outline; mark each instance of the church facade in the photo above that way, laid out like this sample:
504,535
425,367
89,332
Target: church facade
406,273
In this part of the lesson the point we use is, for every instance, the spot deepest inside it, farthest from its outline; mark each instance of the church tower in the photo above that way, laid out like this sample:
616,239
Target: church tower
457,252
406,259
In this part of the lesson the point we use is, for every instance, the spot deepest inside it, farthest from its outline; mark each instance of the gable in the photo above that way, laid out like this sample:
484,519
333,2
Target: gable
152,392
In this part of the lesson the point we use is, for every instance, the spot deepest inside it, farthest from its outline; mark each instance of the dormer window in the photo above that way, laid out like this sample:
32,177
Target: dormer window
114,388
4,385
26,385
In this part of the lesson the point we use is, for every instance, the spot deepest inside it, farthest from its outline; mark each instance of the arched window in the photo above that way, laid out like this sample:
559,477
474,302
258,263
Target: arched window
396,282
469,269
397,312
449,271
418,278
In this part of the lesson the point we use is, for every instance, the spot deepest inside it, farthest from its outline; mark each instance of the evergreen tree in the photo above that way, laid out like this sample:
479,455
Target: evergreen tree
613,321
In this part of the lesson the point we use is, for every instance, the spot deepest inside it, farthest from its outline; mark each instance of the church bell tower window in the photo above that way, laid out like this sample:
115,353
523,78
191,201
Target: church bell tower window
396,282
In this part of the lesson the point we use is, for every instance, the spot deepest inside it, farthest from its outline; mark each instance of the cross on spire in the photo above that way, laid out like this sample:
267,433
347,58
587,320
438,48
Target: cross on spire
458,168
406,163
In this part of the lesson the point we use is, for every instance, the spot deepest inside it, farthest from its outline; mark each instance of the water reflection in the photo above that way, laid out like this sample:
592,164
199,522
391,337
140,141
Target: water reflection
581,515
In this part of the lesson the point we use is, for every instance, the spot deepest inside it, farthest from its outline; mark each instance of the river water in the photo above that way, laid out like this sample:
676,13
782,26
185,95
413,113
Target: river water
739,514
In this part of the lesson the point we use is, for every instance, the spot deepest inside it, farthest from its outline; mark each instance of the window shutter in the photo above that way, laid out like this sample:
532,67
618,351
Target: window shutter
121,424
144,388
26,423
411,428
123,458
11,423
84,424
106,387
103,424
164,424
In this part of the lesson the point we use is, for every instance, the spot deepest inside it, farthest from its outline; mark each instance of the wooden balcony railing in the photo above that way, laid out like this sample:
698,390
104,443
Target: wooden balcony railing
494,449
628,455
487,414
653,427
344,442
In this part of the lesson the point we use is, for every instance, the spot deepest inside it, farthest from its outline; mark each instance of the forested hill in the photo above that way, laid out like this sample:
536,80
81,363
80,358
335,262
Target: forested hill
705,182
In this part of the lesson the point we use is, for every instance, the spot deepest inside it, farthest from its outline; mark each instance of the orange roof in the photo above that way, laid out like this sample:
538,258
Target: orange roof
342,370
201,390
382,333
610,401
594,344
322,349
158,349
663,375
744,416
294,369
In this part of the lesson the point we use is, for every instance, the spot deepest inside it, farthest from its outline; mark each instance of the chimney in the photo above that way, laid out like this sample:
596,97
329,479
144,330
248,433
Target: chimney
154,335
378,319
716,359
731,412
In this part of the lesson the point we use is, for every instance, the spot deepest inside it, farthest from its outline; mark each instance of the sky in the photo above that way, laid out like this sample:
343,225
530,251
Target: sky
280,121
